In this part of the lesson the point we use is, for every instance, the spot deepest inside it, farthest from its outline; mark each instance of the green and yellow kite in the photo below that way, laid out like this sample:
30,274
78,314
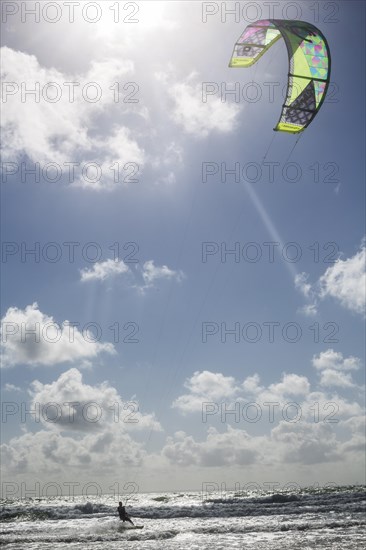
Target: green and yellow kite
309,66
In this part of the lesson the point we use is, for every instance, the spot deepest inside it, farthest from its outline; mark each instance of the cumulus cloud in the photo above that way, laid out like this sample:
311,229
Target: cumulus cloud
292,398
31,337
59,126
357,424
197,117
64,447
331,359
52,453
329,407
205,387
81,407
330,377
118,160
208,386
83,426
219,449
104,270
306,443
251,384
291,388
299,442
346,281
291,384
332,365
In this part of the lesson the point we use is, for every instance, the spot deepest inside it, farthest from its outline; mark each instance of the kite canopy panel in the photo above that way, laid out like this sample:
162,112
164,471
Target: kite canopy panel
309,66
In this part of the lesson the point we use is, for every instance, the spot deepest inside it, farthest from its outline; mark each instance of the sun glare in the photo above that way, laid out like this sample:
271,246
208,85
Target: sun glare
132,17
151,14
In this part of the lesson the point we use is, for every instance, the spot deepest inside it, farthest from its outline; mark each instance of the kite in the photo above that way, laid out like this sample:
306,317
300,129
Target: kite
309,66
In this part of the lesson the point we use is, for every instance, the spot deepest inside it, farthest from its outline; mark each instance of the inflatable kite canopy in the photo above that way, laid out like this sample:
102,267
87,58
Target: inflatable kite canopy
309,66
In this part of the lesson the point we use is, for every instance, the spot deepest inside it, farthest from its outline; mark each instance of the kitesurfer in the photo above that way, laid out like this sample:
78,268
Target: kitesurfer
122,513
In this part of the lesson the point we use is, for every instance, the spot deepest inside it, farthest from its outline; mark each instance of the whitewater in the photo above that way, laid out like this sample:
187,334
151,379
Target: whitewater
304,519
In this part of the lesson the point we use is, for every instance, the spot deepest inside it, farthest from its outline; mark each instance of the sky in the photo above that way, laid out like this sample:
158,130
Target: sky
183,289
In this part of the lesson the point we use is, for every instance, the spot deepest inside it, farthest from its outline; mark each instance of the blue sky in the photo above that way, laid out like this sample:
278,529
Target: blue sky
163,220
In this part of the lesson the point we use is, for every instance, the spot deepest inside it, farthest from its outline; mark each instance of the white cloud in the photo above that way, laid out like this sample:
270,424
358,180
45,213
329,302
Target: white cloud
310,310
195,116
31,337
34,130
119,161
301,283
251,384
331,359
92,434
121,146
331,363
299,442
64,131
356,424
53,454
291,384
291,388
290,398
152,273
11,387
330,377
172,160
205,387
306,443
149,272
104,270
219,449
85,408
214,385
346,282
331,408
211,387
105,445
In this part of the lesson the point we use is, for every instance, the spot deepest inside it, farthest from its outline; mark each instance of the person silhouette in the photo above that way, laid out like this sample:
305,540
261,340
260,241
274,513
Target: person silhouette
122,513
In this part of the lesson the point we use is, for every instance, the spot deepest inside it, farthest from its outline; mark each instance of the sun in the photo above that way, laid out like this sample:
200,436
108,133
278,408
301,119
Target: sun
132,17
151,14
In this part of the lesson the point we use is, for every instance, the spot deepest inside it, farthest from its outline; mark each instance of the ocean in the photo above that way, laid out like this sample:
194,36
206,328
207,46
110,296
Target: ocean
332,518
